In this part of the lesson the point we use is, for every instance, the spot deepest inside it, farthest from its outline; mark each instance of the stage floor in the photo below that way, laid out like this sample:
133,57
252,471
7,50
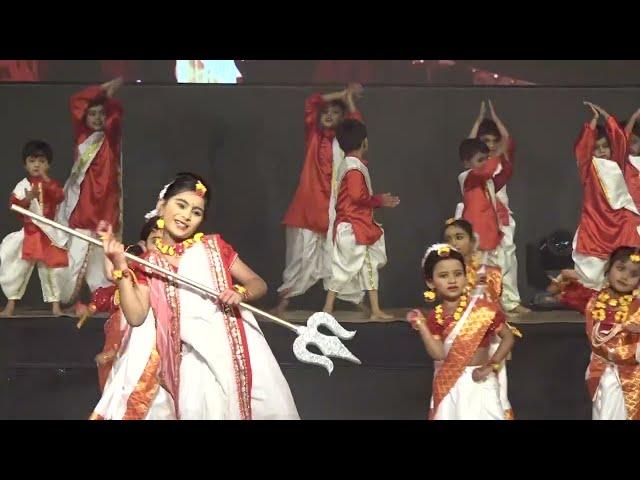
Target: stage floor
51,373
351,316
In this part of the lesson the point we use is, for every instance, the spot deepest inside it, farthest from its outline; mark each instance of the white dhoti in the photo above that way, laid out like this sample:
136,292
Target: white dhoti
510,297
86,264
15,272
305,261
608,402
354,267
469,400
590,269
506,259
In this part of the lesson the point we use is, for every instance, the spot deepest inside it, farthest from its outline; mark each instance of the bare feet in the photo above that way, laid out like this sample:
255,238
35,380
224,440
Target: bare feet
330,302
8,309
56,310
519,310
281,308
380,315
104,357
364,308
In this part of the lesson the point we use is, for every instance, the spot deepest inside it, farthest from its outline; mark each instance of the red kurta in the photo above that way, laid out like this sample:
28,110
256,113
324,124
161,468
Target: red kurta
478,206
506,160
37,246
355,206
602,228
576,296
310,206
100,189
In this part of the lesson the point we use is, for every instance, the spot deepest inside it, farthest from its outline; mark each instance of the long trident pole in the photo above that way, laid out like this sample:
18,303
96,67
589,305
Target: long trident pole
152,266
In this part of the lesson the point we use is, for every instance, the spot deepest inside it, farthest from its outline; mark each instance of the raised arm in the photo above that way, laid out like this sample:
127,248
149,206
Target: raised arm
432,343
474,129
583,148
628,129
479,176
504,133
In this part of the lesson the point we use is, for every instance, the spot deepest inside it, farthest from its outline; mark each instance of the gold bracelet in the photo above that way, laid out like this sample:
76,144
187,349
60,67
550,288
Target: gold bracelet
120,274
242,291
495,367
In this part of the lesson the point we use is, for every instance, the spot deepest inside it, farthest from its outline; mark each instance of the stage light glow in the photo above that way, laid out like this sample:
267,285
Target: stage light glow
207,71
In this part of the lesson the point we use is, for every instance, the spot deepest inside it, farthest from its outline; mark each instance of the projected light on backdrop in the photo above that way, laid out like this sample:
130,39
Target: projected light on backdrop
207,71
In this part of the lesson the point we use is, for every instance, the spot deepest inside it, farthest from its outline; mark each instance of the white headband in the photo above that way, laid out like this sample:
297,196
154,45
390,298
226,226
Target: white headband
436,247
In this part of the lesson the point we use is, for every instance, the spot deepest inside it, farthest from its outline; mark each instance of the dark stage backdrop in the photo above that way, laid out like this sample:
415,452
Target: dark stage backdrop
585,73
248,142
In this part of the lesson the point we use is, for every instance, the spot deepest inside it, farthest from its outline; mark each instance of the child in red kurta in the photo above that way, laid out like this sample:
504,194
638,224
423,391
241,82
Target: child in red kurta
307,217
357,243
609,217
36,243
92,192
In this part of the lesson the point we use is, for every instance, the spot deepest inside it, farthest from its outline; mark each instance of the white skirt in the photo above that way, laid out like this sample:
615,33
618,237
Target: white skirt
126,373
469,400
608,402
162,407
208,383
204,397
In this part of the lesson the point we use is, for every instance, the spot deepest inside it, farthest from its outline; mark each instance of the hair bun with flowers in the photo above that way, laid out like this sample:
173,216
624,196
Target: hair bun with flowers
154,212
201,190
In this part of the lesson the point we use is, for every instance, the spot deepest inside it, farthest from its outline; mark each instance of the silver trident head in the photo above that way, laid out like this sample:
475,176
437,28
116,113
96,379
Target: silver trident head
330,346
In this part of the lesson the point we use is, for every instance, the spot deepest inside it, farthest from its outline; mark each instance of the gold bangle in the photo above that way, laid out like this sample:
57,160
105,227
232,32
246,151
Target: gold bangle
242,291
495,367
120,274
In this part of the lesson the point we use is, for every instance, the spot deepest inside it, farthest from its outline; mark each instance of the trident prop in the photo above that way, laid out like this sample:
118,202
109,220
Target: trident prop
330,346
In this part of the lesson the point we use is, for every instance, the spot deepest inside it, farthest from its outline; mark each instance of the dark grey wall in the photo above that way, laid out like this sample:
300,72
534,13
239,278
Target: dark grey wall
248,142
